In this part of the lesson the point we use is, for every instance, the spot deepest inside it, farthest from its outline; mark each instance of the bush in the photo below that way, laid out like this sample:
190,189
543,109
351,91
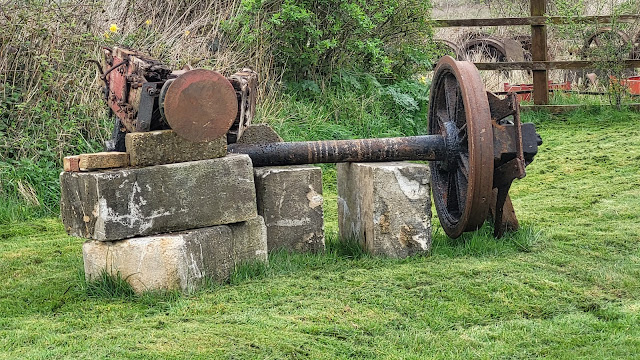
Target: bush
307,39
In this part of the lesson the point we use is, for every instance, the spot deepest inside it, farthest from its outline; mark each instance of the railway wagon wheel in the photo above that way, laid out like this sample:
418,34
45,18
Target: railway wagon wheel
459,110
636,47
606,39
445,46
489,48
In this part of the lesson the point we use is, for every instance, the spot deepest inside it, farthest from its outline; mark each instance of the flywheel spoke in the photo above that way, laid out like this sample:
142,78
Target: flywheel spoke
460,116
442,118
452,92
462,130
453,203
463,164
461,183
463,135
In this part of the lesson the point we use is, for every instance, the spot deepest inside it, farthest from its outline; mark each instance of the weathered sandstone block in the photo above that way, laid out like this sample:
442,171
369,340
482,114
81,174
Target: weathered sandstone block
386,207
166,147
290,200
181,260
119,204
256,134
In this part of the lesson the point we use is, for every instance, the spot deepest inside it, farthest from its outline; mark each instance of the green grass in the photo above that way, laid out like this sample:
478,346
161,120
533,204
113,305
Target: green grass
564,98
567,285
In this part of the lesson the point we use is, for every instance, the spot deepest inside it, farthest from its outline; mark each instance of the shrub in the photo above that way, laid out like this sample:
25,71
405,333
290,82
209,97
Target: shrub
307,39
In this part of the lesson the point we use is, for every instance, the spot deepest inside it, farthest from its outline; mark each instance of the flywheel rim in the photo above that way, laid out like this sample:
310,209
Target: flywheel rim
461,184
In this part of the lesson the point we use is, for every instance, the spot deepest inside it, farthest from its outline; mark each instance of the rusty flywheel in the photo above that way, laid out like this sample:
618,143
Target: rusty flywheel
459,111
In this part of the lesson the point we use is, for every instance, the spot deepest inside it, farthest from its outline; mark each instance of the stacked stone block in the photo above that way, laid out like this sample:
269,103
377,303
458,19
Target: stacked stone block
168,226
289,198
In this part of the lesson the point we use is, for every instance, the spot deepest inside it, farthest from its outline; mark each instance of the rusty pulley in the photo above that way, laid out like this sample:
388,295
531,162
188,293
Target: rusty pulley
476,144
200,105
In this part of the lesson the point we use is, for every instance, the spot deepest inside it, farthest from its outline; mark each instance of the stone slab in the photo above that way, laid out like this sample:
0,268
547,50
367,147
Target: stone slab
386,207
119,204
250,241
290,200
257,134
103,160
166,147
182,261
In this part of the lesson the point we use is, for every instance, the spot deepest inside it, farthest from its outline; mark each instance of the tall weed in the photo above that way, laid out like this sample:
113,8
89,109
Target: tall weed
50,96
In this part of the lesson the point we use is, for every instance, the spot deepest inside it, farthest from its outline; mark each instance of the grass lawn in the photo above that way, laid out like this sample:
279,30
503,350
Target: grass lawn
567,285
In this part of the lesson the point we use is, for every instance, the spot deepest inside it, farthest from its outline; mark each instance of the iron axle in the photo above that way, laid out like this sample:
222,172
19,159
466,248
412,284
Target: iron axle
425,148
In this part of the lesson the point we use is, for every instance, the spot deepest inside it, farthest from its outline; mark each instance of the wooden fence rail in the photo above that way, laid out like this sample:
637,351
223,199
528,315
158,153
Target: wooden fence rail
546,65
534,20
540,64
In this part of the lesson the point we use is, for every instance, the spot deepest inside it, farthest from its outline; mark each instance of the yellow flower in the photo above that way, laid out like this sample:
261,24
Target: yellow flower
106,35
187,32
423,79
148,22
114,28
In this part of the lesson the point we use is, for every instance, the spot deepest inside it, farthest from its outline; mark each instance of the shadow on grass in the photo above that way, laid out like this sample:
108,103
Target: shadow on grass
482,242
115,287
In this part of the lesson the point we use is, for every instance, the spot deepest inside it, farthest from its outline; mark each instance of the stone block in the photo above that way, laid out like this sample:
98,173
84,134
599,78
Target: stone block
181,261
290,200
119,204
386,207
250,241
257,134
103,160
166,147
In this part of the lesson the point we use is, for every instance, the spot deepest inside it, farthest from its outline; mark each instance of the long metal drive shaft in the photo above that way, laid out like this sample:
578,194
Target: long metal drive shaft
425,147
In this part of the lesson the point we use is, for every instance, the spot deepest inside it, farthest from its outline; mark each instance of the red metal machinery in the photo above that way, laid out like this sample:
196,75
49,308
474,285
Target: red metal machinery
199,104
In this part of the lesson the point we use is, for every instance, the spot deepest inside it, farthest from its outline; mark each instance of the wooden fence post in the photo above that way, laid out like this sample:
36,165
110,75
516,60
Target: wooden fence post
539,53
